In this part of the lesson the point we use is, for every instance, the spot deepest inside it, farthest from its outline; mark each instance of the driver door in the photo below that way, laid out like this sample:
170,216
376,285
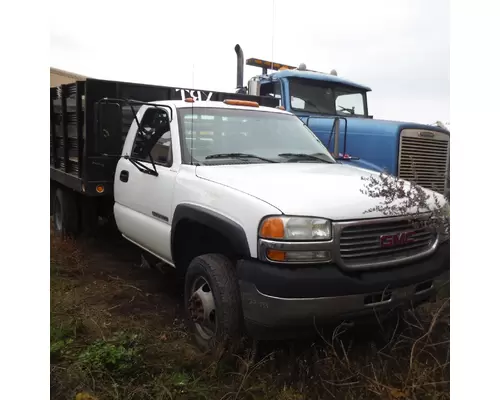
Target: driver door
143,201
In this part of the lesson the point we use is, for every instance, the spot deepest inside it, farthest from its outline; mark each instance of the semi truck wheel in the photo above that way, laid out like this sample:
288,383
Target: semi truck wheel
66,215
212,301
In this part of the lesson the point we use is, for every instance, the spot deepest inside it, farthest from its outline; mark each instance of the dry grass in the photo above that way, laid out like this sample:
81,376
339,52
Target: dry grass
116,334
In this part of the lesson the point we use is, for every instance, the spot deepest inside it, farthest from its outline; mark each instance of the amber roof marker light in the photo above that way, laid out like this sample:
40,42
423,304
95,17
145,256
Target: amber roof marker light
246,103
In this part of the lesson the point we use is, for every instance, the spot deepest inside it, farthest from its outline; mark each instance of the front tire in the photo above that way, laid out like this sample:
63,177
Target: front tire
212,301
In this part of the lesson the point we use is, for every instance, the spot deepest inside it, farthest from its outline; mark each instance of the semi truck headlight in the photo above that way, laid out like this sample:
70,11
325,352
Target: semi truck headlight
295,228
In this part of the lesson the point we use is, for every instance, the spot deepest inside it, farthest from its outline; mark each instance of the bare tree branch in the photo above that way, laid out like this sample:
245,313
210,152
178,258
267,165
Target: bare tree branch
399,197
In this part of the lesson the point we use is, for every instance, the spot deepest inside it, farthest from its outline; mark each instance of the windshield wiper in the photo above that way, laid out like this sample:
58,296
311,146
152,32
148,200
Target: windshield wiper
305,156
238,155
348,110
312,104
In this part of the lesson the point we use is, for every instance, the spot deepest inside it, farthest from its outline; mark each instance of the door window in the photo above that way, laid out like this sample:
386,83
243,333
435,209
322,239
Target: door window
272,90
153,122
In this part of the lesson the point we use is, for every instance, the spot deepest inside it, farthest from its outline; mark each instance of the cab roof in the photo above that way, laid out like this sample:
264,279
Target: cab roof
295,73
216,104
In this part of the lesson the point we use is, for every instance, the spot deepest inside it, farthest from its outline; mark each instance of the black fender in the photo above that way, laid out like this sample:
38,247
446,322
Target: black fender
226,227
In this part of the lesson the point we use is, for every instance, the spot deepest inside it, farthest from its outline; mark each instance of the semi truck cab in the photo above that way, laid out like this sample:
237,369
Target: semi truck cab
416,152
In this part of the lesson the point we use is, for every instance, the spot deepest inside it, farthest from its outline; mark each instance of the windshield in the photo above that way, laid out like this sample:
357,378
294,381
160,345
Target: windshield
322,97
221,136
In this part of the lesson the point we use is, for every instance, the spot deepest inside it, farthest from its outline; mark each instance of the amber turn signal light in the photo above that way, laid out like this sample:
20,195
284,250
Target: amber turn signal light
276,255
272,228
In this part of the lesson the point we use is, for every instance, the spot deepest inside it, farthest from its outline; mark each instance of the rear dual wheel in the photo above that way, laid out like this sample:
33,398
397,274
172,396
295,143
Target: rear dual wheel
66,216
73,214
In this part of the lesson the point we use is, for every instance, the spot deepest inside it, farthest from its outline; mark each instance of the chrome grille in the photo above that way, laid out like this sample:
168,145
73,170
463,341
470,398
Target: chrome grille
424,158
360,242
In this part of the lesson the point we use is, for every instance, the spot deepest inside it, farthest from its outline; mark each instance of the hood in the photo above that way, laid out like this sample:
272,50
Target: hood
375,141
375,126
330,191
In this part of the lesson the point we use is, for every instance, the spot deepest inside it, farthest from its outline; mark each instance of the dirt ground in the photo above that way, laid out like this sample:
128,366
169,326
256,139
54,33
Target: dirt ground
117,332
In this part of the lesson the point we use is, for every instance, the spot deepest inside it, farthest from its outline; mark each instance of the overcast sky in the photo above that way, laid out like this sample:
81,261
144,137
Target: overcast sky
399,48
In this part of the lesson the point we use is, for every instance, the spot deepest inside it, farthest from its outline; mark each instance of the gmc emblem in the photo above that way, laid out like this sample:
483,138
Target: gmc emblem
397,239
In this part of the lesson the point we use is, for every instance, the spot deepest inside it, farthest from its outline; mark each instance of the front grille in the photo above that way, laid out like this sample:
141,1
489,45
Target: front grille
361,243
424,158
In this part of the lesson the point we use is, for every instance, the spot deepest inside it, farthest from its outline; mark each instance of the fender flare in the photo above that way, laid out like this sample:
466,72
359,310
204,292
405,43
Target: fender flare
226,227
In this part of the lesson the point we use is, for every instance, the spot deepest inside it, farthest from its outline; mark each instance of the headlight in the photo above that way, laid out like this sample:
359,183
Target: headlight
295,228
295,240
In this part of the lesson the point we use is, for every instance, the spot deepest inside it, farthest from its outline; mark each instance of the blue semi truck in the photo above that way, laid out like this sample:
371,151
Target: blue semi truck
336,110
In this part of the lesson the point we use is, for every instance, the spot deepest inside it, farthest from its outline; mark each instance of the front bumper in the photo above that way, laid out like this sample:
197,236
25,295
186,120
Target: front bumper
298,297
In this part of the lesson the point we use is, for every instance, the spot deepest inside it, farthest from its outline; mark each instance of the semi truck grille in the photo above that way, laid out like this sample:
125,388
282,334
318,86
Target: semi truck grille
384,242
424,158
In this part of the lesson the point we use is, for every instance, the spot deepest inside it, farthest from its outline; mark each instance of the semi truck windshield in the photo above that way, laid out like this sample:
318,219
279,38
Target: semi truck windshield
320,97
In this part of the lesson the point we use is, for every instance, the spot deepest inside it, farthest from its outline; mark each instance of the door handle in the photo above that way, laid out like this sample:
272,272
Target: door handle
124,176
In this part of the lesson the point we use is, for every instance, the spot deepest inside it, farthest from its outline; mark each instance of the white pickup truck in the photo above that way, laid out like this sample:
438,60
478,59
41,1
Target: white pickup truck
267,231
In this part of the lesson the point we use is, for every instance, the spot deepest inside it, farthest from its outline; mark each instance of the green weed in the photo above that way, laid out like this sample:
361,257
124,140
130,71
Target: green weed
120,355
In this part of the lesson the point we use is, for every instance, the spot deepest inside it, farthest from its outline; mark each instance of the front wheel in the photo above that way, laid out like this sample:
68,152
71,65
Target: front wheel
212,301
